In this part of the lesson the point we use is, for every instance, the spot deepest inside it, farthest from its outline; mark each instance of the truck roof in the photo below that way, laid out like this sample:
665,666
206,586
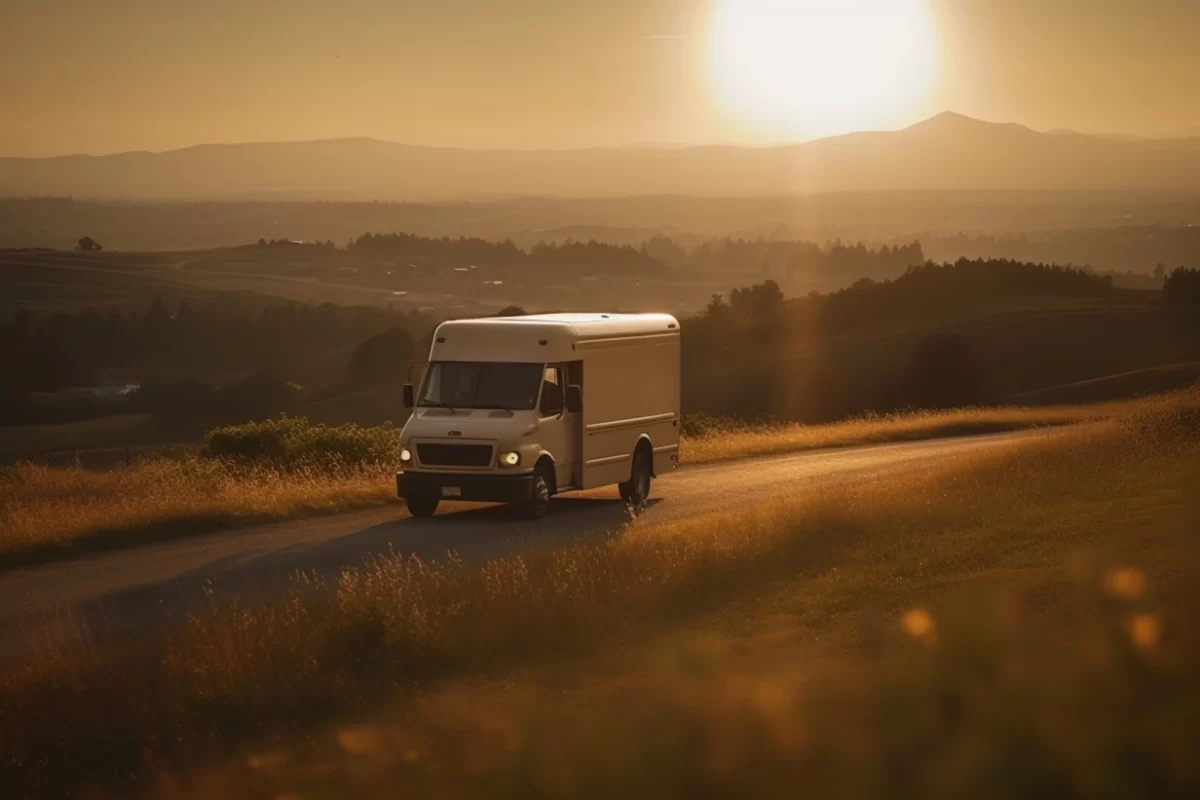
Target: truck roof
580,325
551,337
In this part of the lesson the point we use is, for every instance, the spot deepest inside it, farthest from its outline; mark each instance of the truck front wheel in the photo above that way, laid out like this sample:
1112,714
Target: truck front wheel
538,504
421,506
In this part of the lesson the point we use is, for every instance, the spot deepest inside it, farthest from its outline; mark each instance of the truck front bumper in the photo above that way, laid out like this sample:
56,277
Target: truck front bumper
472,488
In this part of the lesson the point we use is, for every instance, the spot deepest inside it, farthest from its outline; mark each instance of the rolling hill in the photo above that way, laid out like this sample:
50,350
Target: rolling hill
946,152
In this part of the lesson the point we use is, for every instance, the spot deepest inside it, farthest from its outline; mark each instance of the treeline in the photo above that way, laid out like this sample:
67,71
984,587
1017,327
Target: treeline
780,259
783,259
219,339
1141,248
1144,281
541,259
291,243
929,289
446,251
755,353
924,291
188,405
1181,291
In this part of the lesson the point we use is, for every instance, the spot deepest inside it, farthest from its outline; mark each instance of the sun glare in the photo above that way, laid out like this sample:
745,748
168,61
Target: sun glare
802,68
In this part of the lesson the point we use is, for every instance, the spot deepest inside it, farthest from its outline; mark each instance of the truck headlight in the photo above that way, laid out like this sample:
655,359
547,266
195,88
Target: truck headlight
405,456
510,459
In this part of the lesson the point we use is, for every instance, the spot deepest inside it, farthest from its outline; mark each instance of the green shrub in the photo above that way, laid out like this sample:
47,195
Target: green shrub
289,442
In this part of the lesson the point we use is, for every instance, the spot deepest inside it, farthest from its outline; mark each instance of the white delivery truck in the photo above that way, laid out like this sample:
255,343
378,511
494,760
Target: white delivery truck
518,409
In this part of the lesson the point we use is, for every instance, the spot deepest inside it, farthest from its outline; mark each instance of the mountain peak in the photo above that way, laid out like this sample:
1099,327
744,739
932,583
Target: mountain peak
951,121
953,117
947,119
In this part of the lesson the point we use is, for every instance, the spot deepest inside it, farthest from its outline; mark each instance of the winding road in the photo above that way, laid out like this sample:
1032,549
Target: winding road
118,592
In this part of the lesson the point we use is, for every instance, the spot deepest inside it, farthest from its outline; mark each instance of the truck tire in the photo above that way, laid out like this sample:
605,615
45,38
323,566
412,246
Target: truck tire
538,504
421,506
636,491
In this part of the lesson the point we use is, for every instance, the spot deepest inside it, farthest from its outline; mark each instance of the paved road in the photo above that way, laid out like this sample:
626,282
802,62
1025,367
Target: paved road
116,592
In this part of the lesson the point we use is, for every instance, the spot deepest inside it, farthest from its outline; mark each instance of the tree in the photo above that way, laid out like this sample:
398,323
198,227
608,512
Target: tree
257,397
666,250
183,405
385,355
89,245
718,312
757,302
156,321
512,311
1181,290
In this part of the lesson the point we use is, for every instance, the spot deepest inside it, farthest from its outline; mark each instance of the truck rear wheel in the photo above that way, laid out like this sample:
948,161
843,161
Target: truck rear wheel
421,506
636,491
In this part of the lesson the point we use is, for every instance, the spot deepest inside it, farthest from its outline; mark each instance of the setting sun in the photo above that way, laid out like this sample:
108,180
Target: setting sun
799,68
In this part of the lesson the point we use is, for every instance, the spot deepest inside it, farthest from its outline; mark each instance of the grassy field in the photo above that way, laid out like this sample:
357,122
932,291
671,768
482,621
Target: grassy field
1168,377
18,439
48,512
104,441
69,281
723,441
1013,624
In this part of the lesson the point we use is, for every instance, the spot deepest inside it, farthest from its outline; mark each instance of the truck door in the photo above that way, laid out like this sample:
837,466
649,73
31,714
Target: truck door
557,428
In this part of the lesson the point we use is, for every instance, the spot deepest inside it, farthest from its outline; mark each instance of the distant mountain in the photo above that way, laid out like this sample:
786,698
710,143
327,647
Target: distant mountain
1117,137
948,151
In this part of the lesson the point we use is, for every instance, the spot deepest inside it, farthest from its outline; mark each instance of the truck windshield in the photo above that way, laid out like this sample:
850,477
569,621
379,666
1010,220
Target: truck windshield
461,384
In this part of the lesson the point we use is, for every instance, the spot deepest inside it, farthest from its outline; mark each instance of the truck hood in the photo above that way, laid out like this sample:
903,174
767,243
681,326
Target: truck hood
438,423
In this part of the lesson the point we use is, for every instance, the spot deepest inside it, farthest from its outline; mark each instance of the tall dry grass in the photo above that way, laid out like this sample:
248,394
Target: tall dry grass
46,511
52,511
399,626
729,440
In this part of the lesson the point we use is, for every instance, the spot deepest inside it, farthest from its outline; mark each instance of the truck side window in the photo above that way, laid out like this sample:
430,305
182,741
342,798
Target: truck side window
552,392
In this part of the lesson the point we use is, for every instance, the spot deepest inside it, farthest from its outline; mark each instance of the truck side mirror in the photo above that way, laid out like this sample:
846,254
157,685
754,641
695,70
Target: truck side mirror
574,399
552,399
408,395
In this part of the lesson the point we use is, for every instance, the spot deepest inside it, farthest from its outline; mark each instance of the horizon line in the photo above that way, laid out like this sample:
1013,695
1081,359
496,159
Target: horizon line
943,115
508,149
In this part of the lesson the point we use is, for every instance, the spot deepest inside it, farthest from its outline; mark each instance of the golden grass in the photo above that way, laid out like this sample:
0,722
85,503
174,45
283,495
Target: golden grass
50,510
1086,527
766,440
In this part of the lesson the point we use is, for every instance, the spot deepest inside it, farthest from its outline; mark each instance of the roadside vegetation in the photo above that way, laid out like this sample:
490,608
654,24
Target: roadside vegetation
245,474
287,467
55,512
1014,623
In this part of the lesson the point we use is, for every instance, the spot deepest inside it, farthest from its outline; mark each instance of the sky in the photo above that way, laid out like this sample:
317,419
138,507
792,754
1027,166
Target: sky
105,76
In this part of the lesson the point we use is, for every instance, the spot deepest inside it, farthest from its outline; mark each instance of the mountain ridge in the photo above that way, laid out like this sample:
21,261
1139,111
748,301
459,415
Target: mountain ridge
948,151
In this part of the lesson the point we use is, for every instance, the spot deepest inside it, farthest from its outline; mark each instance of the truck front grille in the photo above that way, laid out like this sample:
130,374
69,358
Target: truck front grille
455,455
